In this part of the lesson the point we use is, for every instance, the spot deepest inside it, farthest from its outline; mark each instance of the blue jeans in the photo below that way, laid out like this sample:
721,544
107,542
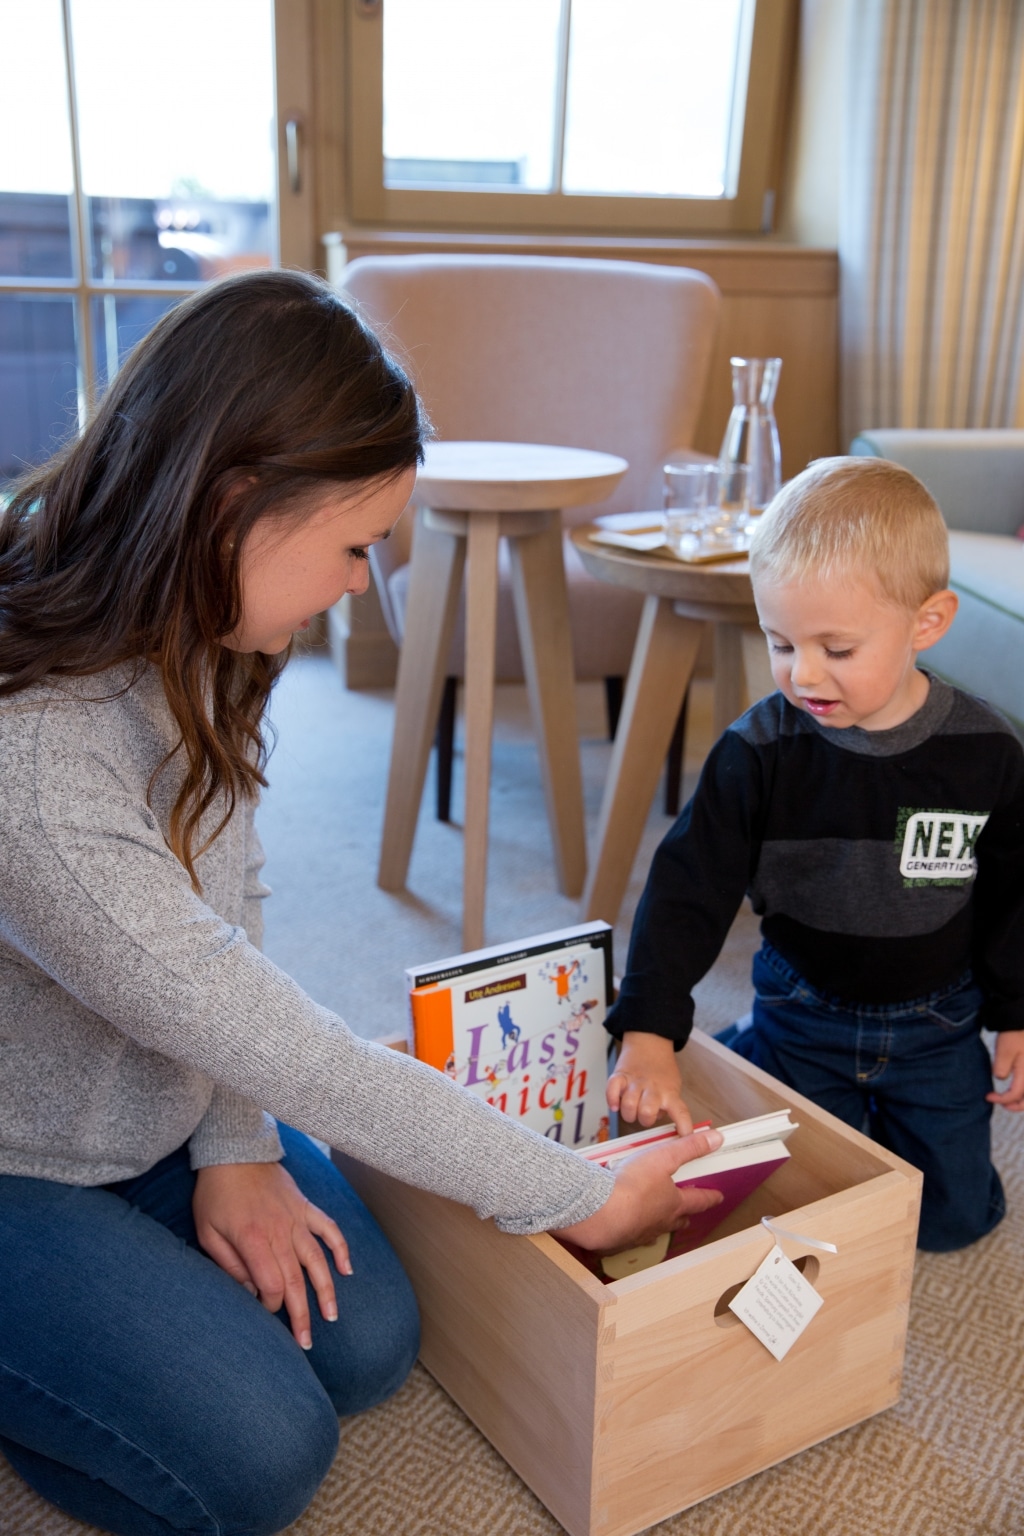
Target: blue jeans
144,1391
914,1075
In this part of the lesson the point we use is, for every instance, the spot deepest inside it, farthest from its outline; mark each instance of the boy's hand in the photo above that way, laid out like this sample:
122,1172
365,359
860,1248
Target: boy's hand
645,1202
1009,1062
645,1085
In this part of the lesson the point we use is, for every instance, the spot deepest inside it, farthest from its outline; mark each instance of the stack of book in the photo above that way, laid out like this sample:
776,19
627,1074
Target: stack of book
522,1026
751,1151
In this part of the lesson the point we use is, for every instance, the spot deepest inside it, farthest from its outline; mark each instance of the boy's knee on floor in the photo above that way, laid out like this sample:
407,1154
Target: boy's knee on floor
943,1231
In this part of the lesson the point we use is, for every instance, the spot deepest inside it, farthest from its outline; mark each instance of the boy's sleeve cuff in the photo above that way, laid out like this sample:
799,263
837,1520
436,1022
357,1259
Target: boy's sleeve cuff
628,1015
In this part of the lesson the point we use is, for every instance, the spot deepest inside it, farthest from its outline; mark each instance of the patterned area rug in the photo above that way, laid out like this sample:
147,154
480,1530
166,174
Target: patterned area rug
948,1460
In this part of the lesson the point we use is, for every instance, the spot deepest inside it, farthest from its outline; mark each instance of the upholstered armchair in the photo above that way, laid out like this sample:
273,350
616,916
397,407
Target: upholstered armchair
977,478
606,355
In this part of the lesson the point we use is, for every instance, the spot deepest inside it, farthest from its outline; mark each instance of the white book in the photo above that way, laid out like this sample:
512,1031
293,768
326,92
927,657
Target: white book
745,1143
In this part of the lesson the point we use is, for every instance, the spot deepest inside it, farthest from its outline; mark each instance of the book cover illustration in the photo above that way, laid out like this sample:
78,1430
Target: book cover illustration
523,1027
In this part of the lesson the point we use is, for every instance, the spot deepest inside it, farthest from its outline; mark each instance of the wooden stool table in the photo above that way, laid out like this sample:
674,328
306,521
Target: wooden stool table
681,599
470,495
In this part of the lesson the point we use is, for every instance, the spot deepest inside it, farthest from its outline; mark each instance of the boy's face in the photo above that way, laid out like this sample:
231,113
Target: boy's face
845,654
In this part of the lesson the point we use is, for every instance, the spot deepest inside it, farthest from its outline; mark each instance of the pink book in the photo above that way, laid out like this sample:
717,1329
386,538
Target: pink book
751,1150
734,1184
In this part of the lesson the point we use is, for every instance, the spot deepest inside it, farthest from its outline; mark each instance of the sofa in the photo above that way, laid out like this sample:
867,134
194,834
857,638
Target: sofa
977,478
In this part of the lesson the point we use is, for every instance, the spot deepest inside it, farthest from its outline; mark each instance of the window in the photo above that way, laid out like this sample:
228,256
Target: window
661,117
137,161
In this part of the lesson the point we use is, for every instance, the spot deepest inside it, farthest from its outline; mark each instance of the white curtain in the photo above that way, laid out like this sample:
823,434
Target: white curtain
931,237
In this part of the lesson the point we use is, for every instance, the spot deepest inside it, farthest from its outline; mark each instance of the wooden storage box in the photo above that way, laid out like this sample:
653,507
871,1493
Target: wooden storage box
622,1404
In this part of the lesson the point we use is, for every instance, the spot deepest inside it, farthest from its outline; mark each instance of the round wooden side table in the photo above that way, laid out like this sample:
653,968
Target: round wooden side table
471,495
680,600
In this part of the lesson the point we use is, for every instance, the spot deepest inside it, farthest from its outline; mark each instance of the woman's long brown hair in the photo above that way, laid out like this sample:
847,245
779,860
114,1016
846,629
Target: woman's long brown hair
247,400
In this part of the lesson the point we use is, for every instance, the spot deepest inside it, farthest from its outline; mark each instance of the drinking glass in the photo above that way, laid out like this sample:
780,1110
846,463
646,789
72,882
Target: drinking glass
690,490
725,525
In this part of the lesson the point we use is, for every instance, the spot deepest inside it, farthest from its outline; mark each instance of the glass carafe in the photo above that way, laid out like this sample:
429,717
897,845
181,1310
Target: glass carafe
752,437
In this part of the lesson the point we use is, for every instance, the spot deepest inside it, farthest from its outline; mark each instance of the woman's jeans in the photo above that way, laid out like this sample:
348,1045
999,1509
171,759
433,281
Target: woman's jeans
144,1391
914,1075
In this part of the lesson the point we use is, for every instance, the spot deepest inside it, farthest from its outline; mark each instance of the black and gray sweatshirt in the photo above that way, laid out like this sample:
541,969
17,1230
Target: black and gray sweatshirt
883,864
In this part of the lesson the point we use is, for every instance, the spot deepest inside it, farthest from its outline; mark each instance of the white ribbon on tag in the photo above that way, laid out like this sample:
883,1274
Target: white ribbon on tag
797,1237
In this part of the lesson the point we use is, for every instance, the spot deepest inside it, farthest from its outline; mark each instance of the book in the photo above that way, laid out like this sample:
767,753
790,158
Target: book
522,1026
751,1151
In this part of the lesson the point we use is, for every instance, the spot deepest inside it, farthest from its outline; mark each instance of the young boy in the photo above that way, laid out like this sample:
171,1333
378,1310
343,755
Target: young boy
875,817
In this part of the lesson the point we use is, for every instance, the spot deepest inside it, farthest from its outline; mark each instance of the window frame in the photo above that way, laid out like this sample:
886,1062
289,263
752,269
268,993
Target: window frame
292,224
750,211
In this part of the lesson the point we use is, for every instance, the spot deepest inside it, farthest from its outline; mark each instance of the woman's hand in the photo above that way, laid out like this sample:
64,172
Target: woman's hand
255,1222
645,1202
645,1085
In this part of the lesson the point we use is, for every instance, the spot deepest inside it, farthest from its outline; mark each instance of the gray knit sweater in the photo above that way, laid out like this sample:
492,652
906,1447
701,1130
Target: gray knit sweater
136,1016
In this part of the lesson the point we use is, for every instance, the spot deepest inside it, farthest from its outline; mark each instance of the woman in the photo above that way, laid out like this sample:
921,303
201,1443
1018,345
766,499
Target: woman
157,1226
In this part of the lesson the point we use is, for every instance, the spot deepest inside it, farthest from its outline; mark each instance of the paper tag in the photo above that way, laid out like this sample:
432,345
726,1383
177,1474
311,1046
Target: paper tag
776,1303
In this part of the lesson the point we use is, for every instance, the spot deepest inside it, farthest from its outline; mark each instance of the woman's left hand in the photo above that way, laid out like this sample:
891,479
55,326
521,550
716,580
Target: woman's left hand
255,1222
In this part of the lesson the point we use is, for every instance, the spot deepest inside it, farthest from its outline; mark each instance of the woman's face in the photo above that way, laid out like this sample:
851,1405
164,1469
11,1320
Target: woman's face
291,571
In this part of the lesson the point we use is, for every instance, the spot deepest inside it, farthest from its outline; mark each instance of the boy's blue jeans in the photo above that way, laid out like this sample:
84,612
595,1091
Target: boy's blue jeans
144,1391
913,1074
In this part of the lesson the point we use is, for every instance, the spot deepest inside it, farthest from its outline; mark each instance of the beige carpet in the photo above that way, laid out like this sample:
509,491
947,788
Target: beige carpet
947,1461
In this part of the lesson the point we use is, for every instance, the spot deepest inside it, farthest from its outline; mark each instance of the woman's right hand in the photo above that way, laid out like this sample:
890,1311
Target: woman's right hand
645,1202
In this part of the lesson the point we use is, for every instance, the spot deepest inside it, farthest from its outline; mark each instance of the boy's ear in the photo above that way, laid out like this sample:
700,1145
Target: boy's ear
934,617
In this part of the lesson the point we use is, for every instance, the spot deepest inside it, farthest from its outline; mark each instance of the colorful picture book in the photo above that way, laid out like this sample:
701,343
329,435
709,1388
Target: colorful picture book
751,1151
523,1026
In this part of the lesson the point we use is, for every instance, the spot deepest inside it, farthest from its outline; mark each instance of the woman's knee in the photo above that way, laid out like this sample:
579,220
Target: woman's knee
390,1357
267,1471
366,1356
248,1466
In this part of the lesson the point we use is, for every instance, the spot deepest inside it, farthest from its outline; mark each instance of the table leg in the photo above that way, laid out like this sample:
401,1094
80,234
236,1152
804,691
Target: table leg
545,640
757,667
481,638
434,582
729,701
743,673
659,674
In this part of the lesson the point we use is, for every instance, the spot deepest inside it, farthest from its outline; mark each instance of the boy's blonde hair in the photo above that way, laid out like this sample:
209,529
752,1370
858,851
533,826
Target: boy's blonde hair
850,517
